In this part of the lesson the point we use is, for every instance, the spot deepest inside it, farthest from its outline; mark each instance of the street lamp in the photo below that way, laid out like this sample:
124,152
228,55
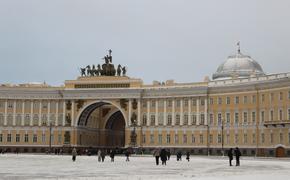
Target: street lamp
223,153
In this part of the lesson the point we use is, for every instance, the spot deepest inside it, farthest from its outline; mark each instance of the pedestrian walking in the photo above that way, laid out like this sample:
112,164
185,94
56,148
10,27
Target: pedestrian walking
187,155
237,154
179,155
103,155
230,155
127,154
163,156
99,155
112,155
156,154
74,154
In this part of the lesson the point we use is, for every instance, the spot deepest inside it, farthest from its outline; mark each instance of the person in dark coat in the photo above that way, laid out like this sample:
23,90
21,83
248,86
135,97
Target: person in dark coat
103,155
112,155
179,155
74,154
230,155
187,155
156,154
163,156
237,154
127,154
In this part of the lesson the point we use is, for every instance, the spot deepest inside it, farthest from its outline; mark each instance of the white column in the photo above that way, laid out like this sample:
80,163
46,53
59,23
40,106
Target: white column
130,112
64,114
197,111
73,114
173,112
148,113
23,111
139,112
40,113
164,113
31,113
205,111
56,113
14,113
181,112
5,112
156,113
189,112
48,113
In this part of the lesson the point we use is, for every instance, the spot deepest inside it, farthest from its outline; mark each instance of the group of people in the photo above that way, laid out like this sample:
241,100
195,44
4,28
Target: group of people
237,154
164,155
102,154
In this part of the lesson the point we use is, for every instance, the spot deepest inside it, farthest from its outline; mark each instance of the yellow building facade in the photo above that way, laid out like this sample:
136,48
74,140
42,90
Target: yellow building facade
241,107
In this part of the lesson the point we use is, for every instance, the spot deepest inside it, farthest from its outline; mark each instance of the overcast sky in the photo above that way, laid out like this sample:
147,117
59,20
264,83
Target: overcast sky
183,40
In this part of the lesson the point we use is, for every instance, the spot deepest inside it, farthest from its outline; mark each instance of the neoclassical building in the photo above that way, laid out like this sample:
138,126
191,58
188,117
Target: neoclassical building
103,108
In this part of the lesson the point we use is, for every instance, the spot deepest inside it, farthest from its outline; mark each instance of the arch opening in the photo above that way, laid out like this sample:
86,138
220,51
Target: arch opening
101,125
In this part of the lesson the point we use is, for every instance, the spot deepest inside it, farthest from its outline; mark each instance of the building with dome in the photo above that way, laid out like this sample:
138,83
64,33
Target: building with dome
241,106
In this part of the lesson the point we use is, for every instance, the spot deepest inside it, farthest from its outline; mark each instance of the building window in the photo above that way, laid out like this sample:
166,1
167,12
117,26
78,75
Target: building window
201,119
219,119
194,102
178,103
10,105
219,138
263,97
202,102
17,139
169,103
254,99
194,119
245,117
228,116
185,119
219,100
27,120
59,139
288,94
262,116
1,120
245,99
201,139
262,138
35,119
236,138
34,138
254,117
169,119
160,119
254,138
18,120
288,137
245,138
153,103
1,137
9,138
272,97
237,100
176,138
26,138
143,138
271,138
152,120
144,120
144,104
160,138
177,120
271,115
211,119
43,138
281,96
228,100
236,118
210,138
288,114
211,101
184,139
151,138
193,138
186,102
281,138
168,138
280,114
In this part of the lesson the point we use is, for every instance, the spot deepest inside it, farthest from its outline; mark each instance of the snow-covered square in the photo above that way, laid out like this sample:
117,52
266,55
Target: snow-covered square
139,167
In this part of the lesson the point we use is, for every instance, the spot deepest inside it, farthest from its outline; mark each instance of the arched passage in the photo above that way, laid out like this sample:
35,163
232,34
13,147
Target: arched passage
101,124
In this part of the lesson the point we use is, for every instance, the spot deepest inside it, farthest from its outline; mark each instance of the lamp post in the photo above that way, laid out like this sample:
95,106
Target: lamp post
50,128
133,134
223,152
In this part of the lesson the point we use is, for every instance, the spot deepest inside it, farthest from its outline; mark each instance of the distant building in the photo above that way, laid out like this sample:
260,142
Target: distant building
242,106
